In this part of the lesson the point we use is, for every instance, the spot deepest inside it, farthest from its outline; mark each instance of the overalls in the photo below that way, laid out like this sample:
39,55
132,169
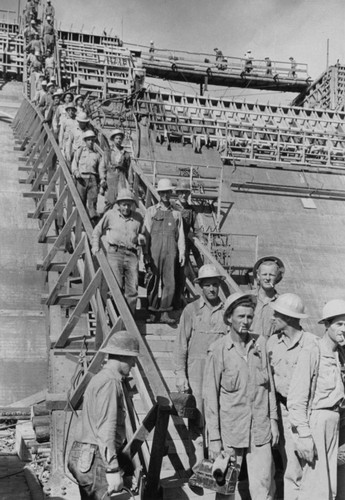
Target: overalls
117,175
164,253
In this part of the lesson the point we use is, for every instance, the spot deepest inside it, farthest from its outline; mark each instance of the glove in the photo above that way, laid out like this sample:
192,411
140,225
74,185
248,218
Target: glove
182,384
76,174
115,482
305,449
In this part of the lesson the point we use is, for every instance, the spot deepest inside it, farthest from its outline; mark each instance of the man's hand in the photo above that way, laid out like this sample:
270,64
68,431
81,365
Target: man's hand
182,384
104,184
76,174
115,482
182,260
141,240
214,449
305,448
94,250
275,432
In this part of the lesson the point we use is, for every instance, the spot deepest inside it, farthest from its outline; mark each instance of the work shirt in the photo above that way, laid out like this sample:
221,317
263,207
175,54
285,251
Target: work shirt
103,415
120,230
180,238
283,357
192,221
75,138
119,159
316,384
196,317
86,161
239,398
263,315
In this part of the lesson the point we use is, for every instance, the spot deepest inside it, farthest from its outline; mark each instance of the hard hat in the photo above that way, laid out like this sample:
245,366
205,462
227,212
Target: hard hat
33,21
117,131
88,134
236,299
215,48
50,84
58,92
290,305
208,271
165,185
44,82
333,308
82,117
48,18
125,194
270,258
78,97
121,343
183,186
152,41
69,93
73,85
70,105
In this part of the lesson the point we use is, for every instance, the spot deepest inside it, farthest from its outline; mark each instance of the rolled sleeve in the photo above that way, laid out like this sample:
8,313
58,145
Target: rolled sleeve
300,390
106,424
212,379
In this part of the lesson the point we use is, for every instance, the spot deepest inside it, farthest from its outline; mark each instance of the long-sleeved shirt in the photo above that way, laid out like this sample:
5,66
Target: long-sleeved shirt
239,398
192,221
118,158
75,138
196,317
262,322
283,357
103,415
316,384
120,230
86,161
151,212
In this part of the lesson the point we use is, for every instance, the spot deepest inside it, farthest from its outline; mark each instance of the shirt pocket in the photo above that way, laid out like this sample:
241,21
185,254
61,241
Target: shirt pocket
231,380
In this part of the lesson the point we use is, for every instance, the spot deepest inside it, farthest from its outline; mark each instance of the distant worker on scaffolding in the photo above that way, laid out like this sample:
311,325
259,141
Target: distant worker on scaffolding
123,227
85,169
117,169
152,49
165,248
48,35
221,62
248,62
50,11
293,66
268,66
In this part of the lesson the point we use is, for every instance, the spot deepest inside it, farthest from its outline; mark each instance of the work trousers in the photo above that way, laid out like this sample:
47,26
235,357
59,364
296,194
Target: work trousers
319,480
341,468
116,180
87,187
93,483
291,463
124,264
260,467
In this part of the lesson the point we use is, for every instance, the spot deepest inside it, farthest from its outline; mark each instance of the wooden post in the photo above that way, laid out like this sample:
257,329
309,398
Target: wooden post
152,490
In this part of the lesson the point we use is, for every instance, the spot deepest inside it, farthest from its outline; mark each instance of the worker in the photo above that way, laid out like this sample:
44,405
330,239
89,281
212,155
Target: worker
50,11
73,87
35,46
48,35
75,138
118,173
201,323
41,92
78,101
46,100
66,126
96,460
165,243
283,349
268,272
192,227
293,66
220,59
268,66
85,169
314,399
123,226
152,50
248,62
240,406
49,65
30,31
51,110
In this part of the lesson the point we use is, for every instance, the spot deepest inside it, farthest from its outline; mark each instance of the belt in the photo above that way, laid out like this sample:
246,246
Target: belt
123,247
335,407
87,174
281,399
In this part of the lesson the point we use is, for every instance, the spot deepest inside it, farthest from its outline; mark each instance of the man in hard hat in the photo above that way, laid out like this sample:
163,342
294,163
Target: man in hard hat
85,169
268,272
201,323
95,459
75,138
50,11
123,226
192,227
67,124
117,173
284,348
165,249
240,405
314,400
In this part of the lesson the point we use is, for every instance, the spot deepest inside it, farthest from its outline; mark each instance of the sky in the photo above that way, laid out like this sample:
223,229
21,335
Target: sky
275,28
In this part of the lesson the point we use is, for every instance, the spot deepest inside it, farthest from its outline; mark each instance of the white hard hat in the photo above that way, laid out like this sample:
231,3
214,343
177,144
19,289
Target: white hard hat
290,305
165,185
117,131
82,117
208,271
333,308
121,343
236,299
88,134
125,194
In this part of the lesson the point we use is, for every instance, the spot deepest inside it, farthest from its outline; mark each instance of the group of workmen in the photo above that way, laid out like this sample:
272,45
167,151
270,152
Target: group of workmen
262,384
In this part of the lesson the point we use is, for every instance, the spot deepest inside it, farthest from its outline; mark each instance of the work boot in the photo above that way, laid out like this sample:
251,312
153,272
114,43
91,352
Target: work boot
152,318
165,318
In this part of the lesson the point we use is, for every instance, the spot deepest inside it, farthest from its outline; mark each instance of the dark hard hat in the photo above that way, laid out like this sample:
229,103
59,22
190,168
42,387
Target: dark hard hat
183,186
236,299
269,259
121,343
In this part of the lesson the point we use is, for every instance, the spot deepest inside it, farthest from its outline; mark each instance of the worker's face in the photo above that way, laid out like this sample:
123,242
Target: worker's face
241,319
126,364
89,142
118,139
71,112
279,321
68,98
183,197
336,330
56,100
210,288
267,275
165,196
79,102
125,207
